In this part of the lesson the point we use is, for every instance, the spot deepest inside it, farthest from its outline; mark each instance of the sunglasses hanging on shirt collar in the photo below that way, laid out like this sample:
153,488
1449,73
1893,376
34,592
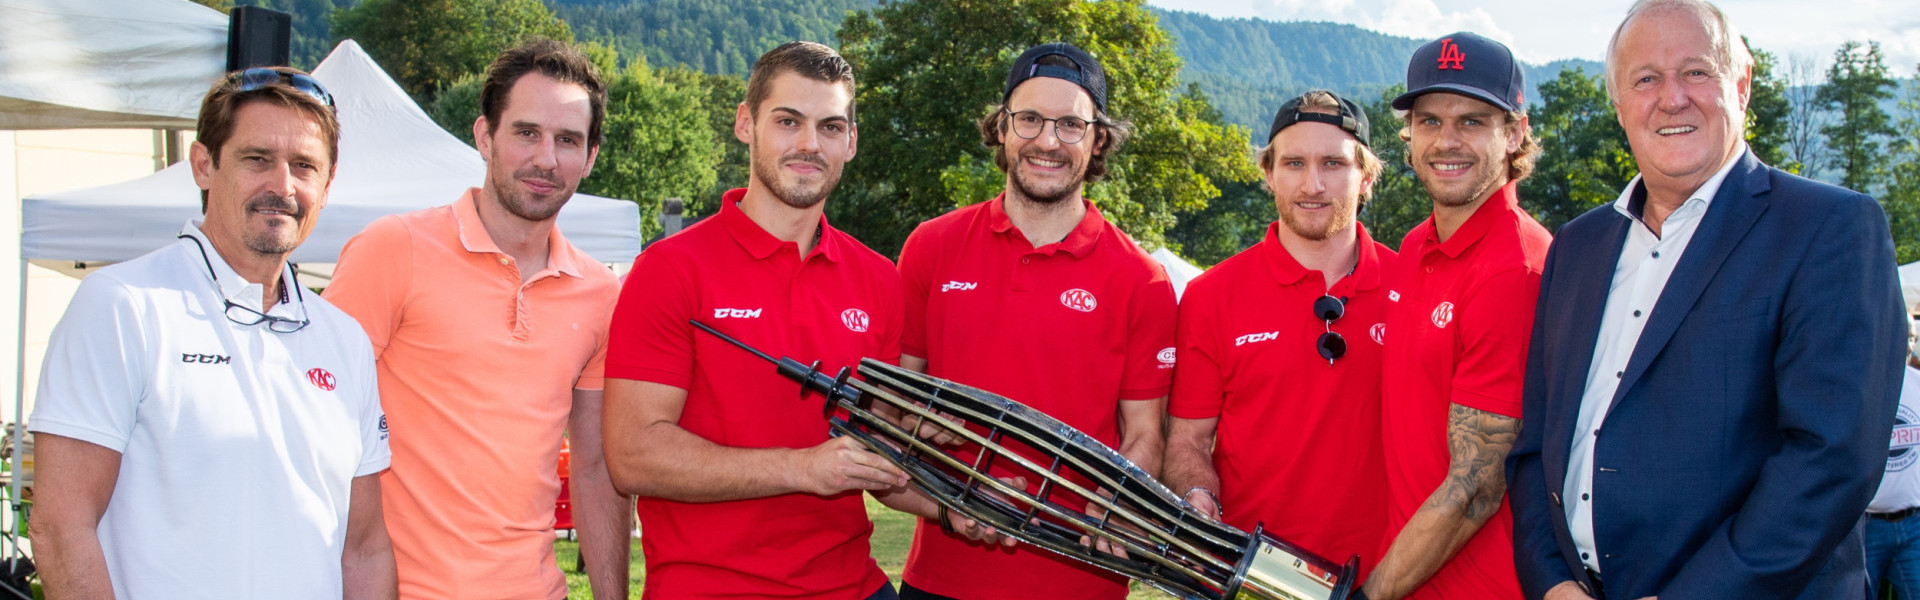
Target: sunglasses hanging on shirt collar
250,317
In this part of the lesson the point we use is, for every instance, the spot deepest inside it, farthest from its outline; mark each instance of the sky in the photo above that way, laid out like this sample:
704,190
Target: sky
1541,31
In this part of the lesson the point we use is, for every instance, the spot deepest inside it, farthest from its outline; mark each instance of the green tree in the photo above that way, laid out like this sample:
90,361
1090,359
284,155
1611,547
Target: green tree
1399,202
1856,84
1902,199
427,44
929,69
1767,111
1585,159
721,96
658,144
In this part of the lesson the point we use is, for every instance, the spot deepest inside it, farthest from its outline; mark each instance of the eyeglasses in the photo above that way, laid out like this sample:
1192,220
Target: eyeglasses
1068,129
250,317
1331,345
260,77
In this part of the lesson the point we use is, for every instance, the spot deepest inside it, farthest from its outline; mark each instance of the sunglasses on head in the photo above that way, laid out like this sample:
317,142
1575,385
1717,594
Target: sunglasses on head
260,77
1331,345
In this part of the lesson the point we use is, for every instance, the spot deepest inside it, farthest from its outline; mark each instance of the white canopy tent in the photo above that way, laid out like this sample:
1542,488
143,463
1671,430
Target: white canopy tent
124,64
1910,286
1179,271
393,159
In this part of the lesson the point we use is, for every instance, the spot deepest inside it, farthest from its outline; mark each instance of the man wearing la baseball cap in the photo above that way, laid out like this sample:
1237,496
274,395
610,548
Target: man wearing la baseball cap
1462,298
1034,295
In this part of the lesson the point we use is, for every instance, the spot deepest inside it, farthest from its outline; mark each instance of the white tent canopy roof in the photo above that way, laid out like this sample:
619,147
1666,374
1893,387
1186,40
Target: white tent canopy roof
1179,271
128,64
393,159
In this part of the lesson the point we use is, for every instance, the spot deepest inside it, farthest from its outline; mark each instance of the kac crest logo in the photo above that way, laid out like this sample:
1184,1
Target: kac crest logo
1379,333
855,319
320,378
1079,299
1443,314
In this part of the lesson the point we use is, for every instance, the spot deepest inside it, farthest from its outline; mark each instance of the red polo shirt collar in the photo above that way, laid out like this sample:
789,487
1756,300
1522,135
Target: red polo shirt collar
1288,271
1498,208
761,244
1079,242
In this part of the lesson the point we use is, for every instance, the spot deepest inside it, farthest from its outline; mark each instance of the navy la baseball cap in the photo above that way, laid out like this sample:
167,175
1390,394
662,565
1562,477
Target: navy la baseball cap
1467,64
1351,118
1086,71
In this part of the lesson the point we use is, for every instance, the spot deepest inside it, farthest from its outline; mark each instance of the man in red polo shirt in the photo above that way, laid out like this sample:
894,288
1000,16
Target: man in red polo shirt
1462,296
1276,404
743,494
1033,295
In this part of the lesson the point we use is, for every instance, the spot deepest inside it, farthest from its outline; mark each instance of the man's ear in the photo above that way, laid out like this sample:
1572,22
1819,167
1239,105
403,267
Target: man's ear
482,141
743,124
201,158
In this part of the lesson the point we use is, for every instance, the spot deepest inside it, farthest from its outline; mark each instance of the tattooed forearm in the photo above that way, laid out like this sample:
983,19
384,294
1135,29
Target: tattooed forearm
1477,442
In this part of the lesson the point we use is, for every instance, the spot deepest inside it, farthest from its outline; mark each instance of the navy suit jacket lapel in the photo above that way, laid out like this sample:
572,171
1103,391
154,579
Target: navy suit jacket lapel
1586,281
1739,203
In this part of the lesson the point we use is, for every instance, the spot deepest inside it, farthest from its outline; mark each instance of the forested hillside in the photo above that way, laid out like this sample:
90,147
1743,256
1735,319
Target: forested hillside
716,36
1248,67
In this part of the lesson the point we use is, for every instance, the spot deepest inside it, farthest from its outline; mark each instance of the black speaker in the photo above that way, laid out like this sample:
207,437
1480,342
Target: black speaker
258,37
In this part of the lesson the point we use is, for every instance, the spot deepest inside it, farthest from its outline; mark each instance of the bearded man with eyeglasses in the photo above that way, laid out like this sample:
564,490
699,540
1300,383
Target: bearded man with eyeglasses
207,429
1276,405
1034,295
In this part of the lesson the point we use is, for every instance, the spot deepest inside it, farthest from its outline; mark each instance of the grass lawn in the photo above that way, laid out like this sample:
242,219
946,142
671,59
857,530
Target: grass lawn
892,537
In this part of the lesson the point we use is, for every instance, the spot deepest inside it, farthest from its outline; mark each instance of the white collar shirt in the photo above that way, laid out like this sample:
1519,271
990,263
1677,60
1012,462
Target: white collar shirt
1646,262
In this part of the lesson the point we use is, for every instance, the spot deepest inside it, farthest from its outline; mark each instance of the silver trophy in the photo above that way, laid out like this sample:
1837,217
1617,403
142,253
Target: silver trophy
1168,544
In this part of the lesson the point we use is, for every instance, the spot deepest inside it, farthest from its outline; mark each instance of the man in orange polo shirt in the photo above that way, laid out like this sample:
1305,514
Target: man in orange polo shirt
1035,296
1462,294
743,494
490,332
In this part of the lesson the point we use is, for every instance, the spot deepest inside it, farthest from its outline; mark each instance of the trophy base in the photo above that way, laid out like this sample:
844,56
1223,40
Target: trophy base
1275,570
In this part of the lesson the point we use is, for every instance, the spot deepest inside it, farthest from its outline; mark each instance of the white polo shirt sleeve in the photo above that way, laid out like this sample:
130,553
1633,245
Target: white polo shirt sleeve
374,453
96,368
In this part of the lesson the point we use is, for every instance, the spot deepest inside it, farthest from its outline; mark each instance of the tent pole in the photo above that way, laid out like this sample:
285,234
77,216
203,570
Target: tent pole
19,398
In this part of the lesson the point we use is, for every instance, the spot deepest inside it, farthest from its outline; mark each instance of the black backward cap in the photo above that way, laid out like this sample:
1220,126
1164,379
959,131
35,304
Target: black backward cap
1351,118
1089,75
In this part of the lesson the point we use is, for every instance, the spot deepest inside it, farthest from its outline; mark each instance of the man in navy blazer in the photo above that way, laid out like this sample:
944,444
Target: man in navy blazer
1732,329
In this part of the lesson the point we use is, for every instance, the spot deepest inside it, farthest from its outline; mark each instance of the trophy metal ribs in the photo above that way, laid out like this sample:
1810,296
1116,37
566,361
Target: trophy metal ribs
1167,543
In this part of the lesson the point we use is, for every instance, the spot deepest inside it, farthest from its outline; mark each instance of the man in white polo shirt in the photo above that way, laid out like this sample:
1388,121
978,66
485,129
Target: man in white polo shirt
208,429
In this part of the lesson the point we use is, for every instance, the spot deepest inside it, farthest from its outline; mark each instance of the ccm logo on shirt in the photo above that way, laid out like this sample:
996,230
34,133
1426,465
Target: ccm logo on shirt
1166,358
1255,337
958,285
1079,299
736,313
205,359
855,319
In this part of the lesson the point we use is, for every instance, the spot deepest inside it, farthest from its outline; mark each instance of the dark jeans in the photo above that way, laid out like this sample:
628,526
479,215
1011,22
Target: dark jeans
884,593
908,592
1893,555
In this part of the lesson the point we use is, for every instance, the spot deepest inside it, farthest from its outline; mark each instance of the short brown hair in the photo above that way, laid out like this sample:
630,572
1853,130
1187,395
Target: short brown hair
1320,101
553,59
812,60
220,109
1519,164
1109,133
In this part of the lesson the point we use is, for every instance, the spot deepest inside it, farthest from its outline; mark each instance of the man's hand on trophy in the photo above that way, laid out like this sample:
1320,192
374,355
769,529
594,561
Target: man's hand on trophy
842,464
1099,512
974,530
1204,501
923,428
